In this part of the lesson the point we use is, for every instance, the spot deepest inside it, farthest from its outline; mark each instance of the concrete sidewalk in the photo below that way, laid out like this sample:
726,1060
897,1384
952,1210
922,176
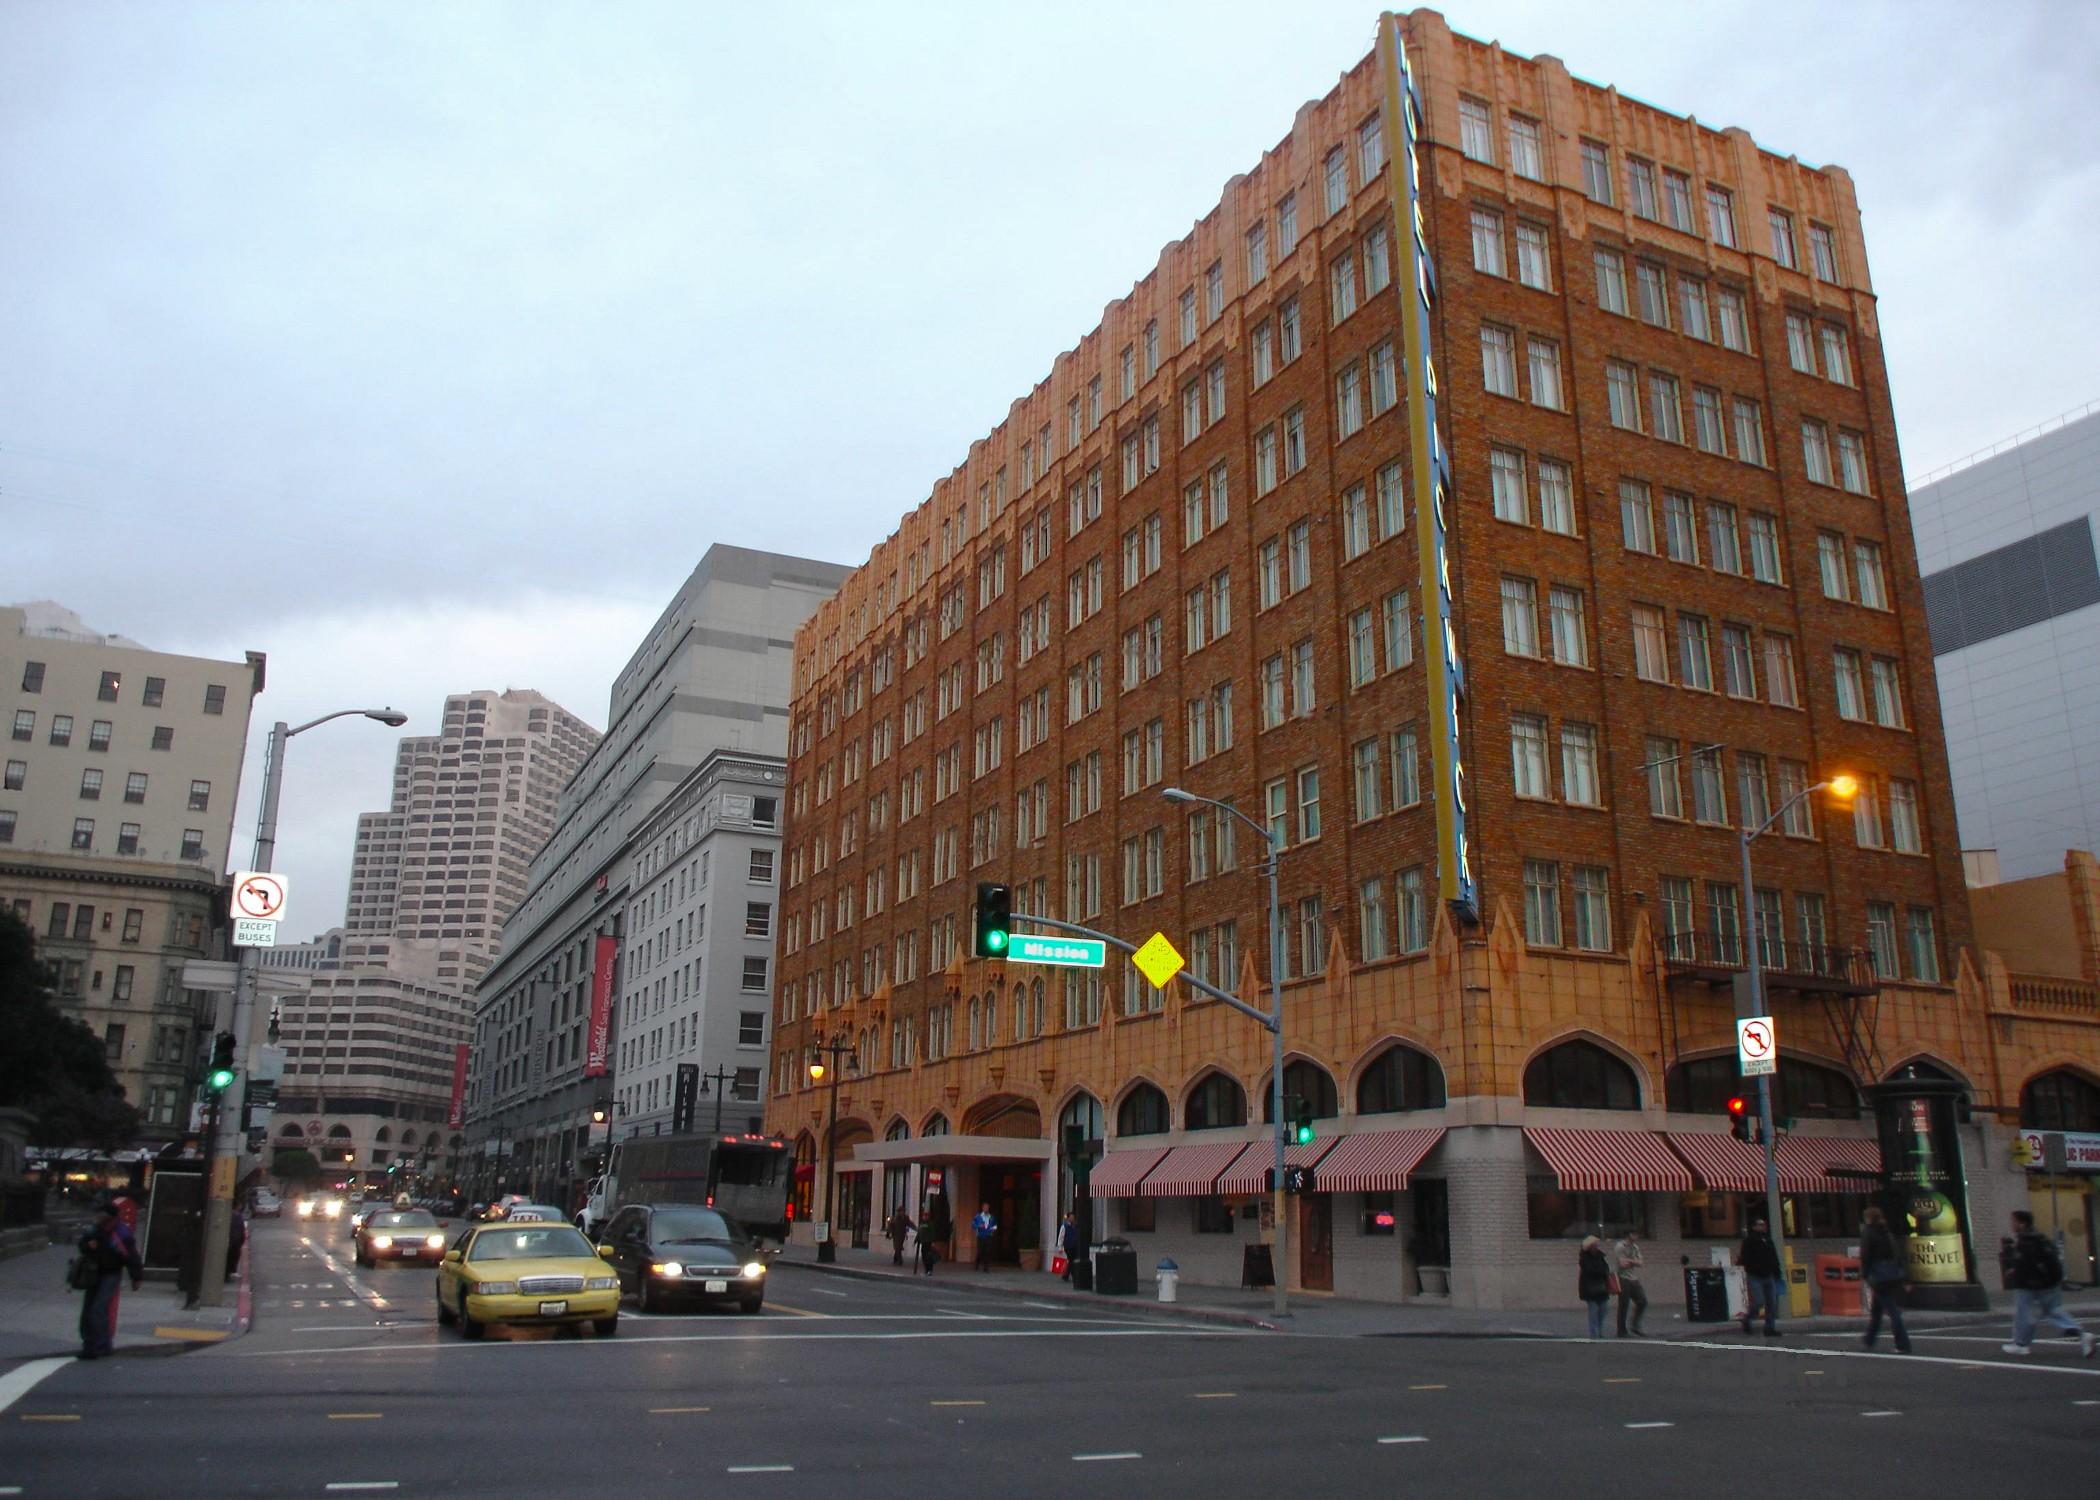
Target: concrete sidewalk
1325,1315
40,1315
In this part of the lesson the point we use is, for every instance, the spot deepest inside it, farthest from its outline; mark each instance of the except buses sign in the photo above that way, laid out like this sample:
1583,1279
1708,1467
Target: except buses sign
1059,952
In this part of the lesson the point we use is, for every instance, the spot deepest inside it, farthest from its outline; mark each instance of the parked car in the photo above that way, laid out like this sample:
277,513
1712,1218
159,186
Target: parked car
398,1234
681,1255
267,1204
526,1273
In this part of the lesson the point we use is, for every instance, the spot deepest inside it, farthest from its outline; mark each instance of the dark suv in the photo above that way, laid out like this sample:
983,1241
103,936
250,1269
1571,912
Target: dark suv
679,1255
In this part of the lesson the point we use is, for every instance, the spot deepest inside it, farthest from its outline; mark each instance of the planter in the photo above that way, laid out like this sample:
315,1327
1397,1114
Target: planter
1031,1260
1436,1280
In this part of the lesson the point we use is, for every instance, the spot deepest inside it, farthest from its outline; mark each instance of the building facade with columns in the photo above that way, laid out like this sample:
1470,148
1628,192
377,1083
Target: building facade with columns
1496,496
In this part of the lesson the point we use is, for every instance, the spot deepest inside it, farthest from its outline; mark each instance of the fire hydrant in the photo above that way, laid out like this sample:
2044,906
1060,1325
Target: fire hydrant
1169,1279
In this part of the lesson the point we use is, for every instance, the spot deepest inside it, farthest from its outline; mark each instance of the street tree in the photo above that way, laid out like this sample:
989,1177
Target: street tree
52,1065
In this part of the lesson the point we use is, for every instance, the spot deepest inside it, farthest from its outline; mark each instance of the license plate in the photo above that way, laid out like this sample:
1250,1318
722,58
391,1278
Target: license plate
718,1286
553,1309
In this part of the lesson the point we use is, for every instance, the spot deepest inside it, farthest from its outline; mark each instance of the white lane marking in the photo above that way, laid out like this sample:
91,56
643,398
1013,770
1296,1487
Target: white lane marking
2026,1367
366,1484
761,1468
956,1312
755,1337
1054,1307
1881,1413
2067,1346
1103,1458
2086,1403
1409,1439
823,1291
10,1489
24,1378
1645,1426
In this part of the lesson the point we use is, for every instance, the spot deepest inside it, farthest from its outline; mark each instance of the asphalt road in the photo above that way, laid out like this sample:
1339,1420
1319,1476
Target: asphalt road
845,1387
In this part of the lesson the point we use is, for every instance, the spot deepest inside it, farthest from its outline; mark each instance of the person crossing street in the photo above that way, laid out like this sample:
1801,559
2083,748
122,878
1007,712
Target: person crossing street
2038,1282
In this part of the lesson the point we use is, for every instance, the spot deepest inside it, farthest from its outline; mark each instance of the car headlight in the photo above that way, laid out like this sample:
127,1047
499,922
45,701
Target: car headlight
434,1241
601,1283
754,1269
493,1288
382,1241
668,1268
306,1210
334,1210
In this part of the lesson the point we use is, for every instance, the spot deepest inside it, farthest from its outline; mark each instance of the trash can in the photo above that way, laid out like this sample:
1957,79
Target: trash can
1837,1278
1169,1278
1705,1294
1115,1268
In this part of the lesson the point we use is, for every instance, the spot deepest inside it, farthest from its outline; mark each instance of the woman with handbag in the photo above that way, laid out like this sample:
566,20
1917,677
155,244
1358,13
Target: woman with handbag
1594,1282
1882,1270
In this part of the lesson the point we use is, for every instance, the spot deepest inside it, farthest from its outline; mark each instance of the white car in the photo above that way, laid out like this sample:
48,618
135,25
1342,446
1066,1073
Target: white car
321,1206
267,1204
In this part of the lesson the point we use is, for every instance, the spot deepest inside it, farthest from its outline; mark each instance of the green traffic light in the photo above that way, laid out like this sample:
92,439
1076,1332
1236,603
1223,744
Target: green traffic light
995,940
1303,1135
220,1080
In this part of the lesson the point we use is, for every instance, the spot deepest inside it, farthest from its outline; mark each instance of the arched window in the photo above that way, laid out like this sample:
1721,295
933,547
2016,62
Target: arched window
898,1131
1216,1103
1310,1082
1804,1090
2061,1100
976,1024
1035,1008
1142,1112
936,1125
339,1132
1400,1078
1021,1032
1580,1075
408,1137
379,1137
291,1132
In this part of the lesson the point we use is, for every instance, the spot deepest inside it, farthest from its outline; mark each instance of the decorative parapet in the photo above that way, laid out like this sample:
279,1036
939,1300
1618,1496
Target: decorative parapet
2051,995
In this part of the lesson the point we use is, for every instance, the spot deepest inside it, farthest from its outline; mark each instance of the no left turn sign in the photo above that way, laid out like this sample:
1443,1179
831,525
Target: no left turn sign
1756,1046
258,895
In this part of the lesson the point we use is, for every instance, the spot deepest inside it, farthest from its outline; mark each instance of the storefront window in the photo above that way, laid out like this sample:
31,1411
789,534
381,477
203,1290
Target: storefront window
1140,1215
1722,1216
1213,1215
1381,1213
1555,1215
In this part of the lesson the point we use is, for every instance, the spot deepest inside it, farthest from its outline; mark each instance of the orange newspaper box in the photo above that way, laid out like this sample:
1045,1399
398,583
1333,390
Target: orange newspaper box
1837,1277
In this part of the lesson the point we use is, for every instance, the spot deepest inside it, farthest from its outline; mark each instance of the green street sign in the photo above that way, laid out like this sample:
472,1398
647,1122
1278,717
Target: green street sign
1060,952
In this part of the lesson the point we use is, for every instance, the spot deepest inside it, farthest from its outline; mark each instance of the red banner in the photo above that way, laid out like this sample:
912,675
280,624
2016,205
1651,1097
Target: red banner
458,1114
598,1045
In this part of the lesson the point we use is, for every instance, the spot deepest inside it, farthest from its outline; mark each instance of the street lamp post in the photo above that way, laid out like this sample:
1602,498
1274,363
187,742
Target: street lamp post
1844,787
827,1247
720,1078
1272,840
226,1139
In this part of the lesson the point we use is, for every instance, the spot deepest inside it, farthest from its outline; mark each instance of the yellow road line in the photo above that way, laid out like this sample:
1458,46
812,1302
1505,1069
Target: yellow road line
955,1403
1429,1387
192,1335
1216,1396
1622,1380
353,1416
51,1416
800,1312
674,1411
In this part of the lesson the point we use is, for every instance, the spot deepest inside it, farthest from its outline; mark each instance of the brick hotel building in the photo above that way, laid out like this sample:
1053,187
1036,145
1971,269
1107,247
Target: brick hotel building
1681,590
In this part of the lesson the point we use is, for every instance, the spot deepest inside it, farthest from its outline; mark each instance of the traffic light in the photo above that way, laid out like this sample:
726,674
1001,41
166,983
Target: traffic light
1740,1123
1300,1111
219,1076
995,919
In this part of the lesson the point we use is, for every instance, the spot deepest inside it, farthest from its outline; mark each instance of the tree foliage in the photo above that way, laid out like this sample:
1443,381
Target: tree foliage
52,1065
295,1164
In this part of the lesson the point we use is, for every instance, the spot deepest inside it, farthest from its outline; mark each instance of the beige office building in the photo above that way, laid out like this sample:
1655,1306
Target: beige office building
372,1039
116,814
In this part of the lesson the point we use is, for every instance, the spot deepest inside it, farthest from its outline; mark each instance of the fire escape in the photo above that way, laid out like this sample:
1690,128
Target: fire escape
1841,980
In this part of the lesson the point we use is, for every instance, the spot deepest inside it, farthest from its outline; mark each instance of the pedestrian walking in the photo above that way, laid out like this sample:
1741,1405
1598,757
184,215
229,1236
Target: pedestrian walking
899,1230
107,1252
984,1226
1759,1258
1068,1242
1882,1270
1593,1282
2038,1287
933,1233
1627,1261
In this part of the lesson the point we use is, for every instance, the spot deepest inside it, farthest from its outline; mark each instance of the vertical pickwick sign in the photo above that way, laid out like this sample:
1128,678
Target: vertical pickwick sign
1926,1190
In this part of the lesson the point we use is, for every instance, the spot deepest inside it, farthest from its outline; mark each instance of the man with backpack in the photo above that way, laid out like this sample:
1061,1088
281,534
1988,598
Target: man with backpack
2038,1283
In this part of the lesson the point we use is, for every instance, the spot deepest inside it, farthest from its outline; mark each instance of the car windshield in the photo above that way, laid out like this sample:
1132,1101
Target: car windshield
684,1225
412,1219
530,1244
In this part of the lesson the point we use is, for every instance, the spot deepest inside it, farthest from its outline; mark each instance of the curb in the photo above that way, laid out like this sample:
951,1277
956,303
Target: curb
1168,1312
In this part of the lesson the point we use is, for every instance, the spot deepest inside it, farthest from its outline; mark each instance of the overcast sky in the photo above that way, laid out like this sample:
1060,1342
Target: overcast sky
425,347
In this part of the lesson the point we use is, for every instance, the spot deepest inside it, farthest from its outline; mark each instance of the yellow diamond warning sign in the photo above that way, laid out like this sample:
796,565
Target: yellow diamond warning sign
1158,960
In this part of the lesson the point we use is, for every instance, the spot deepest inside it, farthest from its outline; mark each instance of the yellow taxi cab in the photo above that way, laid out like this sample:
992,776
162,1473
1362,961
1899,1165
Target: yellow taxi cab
527,1273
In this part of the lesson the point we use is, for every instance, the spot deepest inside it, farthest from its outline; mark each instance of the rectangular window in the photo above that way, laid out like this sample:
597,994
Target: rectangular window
1370,920
1363,648
1651,651
1187,310
1286,224
1570,636
1487,242
1413,912
1520,616
1904,829
1923,944
1781,684
1294,440
1348,402
1476,130
1749,431
1593,908
1888,692
163,737
1753,788
1732,317
127,838
1851,685
17,776
200,796
1527,755
1257,252
1815,451
754,977
1665,788
1506,486
1852,462
1578,765
1724,548
1796,821
1641,195
1677,200
1822,246
1533,267
1709,429
32,677
1288,334
1368,778
83,833
1666,416
1611,281
1837,353
1738,662
1720,214
1498,360
1544,359
1385,380
1265,475
1262,354
1881,939
1694,654
1830,564
1399,630
1764,548
1378,261
1214,292
1800,349
1525,157
112,684
1867,569
1636,516
1622,390
1709,792
1680,528
1334,180
1782,224
25,724
1392,505
1556,497
1596,171
1370,149
1691,309
156,690
1542,903
1407,768
1651,293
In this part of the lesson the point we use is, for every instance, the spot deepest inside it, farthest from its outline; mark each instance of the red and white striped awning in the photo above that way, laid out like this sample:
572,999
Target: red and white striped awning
1609,1161
1805,1162
1378,1161
1118,1174
1727,1165
1724,1164
1191,1171
1250,1174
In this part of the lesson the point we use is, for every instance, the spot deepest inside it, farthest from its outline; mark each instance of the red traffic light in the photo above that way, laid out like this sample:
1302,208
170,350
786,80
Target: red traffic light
1738,1106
